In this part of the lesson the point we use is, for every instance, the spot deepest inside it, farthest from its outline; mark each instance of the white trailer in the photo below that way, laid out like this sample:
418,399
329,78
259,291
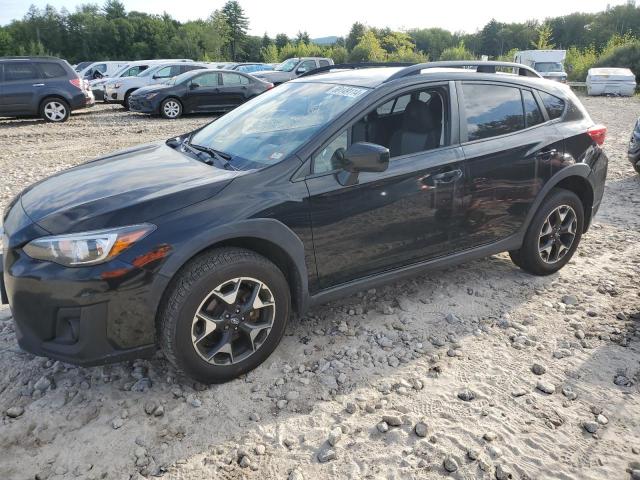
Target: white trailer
611,81
548,63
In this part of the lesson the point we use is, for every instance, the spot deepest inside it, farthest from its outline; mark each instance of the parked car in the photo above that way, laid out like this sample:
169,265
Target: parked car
248,67
197,91
330,184
118,90
41,86
634,147
611,81
292,68
101,69
129,70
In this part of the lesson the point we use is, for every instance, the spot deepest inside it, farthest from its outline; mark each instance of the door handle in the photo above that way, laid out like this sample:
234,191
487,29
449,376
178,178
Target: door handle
38,85
447,177
547,154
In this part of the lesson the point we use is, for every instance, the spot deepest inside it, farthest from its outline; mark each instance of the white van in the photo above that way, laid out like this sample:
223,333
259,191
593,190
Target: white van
101,69
611,81
548,63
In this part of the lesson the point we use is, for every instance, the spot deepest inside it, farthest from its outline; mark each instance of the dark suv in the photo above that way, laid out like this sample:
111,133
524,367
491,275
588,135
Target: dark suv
41,86
333,183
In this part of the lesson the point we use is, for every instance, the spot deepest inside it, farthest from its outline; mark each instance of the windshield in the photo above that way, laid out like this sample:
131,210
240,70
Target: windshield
287,65
179,78
268,128
547,67
149,71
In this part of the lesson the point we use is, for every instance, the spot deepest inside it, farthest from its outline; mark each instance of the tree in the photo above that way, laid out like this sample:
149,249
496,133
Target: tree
457,53
355,34
114,9
281,40
266,40
544,38
302,37
368,49
269,54
238,26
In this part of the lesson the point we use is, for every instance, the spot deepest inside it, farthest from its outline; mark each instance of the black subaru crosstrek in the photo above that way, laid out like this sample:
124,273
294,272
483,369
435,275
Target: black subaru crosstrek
205,244
41,86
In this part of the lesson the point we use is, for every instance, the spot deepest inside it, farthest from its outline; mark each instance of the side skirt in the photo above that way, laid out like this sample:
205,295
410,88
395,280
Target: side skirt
343,290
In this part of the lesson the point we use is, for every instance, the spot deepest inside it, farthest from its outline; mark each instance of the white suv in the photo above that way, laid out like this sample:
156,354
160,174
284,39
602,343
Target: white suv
118,90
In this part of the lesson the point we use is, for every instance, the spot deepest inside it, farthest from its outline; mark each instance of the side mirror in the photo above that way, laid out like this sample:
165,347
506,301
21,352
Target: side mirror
301,70
362,157
194,85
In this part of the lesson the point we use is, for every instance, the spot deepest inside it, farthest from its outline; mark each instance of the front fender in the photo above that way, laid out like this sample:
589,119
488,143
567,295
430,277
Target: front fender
265,229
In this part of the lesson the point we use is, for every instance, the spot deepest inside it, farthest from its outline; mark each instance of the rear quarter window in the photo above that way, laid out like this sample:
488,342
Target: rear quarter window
492,110
52,70
554,105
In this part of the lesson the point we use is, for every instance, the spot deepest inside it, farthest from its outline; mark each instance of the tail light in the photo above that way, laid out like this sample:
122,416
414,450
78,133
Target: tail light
76,82
598,134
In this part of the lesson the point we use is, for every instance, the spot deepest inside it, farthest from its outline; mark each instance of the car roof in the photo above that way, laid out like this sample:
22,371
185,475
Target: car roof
375,77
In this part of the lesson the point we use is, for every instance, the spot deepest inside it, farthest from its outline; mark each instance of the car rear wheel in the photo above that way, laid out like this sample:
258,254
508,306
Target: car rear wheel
553,235
55,110
224,314
171,108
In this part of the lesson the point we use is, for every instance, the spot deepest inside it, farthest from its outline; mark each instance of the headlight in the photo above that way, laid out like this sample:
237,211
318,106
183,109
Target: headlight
87,248
151,95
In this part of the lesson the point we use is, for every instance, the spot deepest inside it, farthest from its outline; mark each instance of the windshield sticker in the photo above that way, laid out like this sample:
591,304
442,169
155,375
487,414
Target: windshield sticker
343,91
276,156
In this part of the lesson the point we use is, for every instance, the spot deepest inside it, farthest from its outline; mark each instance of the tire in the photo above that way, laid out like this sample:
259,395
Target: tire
54,110
558,222
195,322
125,102
171,108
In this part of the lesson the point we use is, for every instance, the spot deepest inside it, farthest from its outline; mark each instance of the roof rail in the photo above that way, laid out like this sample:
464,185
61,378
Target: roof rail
482,67
354,66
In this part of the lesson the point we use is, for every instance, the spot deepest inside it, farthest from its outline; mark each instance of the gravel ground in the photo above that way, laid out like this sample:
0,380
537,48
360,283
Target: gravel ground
478,371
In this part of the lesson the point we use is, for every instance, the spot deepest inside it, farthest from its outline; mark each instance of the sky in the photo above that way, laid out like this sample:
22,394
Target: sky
335,17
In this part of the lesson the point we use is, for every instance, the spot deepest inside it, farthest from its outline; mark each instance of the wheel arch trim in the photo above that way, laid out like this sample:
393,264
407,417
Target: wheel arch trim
266,230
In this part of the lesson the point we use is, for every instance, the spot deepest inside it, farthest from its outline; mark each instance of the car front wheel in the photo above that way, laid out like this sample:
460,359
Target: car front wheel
55,110
553,235
224,314
171,108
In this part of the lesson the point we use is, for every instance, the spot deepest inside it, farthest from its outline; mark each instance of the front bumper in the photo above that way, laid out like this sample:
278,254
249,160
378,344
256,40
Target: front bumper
84,316
113,95
142,105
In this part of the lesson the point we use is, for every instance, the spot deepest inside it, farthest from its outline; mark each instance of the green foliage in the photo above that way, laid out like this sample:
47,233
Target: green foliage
238,25
338,53
269,54
544,38
459,52
355,34
626,55
579,61
368,49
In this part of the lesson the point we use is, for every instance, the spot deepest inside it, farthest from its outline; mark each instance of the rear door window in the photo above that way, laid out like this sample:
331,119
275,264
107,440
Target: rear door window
207,80
553,104
52,70
532,114
324,63
20,71
492,110
231,79
308,65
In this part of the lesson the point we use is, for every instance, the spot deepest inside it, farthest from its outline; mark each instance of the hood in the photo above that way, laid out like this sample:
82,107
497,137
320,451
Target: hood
152,88
123,188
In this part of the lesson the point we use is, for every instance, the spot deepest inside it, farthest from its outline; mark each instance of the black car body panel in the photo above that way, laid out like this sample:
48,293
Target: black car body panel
464,199
39,78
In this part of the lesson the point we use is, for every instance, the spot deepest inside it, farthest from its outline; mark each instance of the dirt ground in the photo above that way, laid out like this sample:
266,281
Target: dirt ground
441,375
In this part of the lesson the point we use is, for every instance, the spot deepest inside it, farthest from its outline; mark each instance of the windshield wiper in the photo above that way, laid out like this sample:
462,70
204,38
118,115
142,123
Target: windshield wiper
223,158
